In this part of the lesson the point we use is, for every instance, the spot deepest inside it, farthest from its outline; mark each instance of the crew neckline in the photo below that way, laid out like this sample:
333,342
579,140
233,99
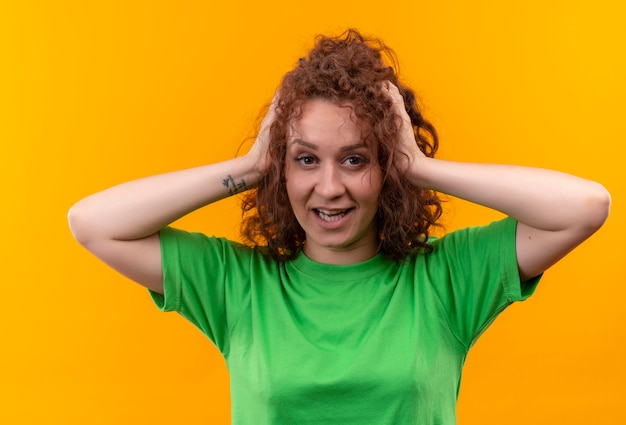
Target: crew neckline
340,272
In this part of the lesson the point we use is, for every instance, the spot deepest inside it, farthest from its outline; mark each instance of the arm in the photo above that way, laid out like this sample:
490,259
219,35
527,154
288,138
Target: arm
120,225
555,211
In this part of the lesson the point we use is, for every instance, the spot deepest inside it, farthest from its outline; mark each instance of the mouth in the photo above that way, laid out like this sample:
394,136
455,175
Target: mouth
330,216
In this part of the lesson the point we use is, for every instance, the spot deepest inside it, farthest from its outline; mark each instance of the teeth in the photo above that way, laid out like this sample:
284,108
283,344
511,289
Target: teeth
330,216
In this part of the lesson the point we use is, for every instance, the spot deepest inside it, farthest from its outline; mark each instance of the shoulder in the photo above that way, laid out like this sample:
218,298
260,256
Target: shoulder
499,231
180,241
469,247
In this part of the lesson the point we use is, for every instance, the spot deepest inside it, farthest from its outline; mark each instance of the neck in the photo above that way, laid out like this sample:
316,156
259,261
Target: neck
342,255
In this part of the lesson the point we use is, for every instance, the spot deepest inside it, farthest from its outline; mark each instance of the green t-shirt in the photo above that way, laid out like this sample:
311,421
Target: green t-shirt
369,343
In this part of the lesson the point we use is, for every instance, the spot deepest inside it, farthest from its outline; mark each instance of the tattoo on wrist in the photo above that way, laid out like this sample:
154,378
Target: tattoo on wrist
233,186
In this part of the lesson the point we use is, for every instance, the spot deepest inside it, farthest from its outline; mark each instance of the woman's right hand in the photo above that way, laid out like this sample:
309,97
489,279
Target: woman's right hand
260,149
120,225
409,154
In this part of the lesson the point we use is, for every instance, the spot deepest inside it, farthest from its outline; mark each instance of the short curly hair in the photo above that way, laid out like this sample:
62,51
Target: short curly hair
347,69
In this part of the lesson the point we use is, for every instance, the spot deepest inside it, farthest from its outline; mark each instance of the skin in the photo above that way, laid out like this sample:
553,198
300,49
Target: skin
333,184
555,211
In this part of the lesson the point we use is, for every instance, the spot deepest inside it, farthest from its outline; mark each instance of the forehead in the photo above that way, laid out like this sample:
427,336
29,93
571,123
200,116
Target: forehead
322,120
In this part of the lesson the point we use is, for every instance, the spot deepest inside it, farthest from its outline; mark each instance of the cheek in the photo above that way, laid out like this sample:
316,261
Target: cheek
371,187
295,183
294,194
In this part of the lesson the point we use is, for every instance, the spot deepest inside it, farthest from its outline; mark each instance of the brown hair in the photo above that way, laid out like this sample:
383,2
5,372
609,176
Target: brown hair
348,69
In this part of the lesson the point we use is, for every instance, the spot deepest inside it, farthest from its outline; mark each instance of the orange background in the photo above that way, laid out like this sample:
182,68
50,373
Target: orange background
97,93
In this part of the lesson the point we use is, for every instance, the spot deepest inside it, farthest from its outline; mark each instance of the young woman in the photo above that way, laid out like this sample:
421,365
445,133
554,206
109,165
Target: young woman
342,309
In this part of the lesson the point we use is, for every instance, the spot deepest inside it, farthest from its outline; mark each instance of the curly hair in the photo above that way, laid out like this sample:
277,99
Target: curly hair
348,69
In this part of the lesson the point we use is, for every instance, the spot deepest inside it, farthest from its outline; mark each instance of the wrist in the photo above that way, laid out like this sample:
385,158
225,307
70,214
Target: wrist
242,175
417,170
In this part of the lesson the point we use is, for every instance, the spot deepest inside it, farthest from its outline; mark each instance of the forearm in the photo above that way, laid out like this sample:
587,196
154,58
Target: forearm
139,208
543,199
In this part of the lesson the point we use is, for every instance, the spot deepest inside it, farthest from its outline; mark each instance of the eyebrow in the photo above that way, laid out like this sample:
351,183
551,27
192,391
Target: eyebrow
342,149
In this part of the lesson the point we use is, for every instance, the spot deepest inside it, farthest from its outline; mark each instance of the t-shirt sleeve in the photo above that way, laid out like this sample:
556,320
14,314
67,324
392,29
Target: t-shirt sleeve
195,281
481,276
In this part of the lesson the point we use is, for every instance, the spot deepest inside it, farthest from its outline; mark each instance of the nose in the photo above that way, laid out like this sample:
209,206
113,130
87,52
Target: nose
330,182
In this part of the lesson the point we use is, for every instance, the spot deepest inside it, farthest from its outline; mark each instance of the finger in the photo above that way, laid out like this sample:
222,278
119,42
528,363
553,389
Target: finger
392,91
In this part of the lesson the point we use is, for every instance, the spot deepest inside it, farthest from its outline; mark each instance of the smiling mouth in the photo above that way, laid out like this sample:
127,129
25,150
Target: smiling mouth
331,215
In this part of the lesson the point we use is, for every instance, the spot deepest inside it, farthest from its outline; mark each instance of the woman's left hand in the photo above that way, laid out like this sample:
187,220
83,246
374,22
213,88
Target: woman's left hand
408,153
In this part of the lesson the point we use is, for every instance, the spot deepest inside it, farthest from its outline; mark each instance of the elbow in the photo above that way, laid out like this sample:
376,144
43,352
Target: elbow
78,221
598,207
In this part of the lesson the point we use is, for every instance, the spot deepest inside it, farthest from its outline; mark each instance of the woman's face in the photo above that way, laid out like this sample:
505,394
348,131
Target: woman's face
333,184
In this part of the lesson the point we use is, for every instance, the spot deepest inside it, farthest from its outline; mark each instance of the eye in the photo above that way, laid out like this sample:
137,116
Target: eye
355,160
305,159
